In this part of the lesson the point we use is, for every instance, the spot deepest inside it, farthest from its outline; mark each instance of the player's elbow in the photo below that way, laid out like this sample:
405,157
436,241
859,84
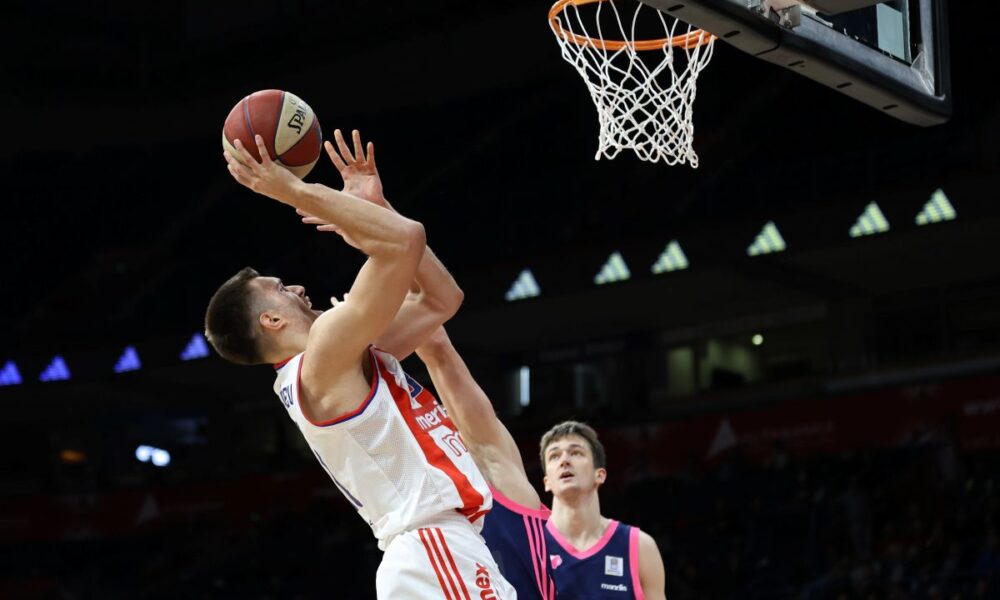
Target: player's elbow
452,301
414,239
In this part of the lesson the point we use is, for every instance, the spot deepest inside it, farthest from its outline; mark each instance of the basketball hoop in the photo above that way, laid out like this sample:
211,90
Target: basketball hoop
641,106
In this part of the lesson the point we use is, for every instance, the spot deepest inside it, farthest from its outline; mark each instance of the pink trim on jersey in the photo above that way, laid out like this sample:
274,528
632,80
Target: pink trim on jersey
537,549
373,387
472,500
580,555
633,559
533,518
542,512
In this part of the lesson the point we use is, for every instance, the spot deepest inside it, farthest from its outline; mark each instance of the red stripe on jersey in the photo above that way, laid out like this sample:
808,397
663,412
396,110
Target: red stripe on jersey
477,515
430,557
472,500
454,567
373,387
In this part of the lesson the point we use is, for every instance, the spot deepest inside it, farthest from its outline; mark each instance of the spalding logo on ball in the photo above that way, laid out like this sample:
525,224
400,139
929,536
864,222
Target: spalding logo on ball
289,127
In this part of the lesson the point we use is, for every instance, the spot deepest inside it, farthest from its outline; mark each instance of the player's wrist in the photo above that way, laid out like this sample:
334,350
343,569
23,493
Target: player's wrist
301,193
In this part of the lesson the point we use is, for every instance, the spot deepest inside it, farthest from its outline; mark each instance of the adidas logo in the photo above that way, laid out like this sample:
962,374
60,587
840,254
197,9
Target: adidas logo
769,240
870,222
937,209
672,259
56,371
523,287
613,270
129,361
9,375
196,348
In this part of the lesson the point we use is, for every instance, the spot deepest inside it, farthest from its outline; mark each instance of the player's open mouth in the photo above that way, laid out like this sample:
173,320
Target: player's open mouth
566,475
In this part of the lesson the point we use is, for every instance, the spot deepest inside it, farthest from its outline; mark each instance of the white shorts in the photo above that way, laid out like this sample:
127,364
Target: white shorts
448,560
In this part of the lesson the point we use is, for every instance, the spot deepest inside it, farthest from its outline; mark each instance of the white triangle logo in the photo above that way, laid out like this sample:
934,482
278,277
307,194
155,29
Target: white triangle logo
523,287
672,259
937,209
767,241
870,222
725,438
613,270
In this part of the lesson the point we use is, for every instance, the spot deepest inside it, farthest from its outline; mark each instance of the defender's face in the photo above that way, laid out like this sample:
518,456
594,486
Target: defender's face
569,467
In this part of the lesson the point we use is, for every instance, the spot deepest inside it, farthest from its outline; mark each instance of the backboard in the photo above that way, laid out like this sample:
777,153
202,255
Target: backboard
892,55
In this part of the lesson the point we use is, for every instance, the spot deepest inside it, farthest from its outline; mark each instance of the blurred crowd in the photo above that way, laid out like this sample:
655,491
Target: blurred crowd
918,522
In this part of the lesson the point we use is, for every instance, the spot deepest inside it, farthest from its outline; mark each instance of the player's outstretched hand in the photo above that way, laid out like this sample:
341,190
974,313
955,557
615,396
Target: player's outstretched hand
265,176
357,168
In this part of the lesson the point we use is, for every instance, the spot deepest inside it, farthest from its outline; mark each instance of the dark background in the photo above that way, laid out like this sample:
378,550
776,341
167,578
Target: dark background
120,220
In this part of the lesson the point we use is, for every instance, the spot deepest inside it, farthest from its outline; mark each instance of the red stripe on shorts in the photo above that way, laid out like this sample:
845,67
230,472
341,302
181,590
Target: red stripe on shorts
454,567
430,557
448,573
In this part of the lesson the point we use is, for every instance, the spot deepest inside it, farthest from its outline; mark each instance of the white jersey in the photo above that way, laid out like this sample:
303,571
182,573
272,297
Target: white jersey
397,458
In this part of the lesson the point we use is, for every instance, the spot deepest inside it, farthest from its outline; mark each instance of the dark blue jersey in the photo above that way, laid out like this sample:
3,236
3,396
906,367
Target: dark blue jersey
609,570
515,536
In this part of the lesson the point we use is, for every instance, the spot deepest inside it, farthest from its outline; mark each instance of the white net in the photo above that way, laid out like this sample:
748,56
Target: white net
644,91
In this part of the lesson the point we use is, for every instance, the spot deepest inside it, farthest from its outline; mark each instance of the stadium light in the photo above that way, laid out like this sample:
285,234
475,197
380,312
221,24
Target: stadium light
937,209
158,456
768,241
524,386
614,270
523,287
128,361
671,259
56,371
870,222
196,348
9,375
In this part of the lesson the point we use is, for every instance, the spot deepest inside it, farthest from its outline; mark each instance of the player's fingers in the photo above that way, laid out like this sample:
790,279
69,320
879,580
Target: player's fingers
235,167
371,154
248,158
239,173
358,148
313,221
265,157
334,157
342,145
326,227
334,302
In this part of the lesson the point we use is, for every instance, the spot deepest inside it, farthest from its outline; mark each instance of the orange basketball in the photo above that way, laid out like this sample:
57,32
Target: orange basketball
289,127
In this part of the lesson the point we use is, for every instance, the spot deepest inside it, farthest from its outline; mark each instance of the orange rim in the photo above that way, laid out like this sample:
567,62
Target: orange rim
687,41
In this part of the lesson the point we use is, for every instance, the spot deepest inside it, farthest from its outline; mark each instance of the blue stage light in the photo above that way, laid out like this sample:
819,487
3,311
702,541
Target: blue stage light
196,348
9,375
128,361
56,371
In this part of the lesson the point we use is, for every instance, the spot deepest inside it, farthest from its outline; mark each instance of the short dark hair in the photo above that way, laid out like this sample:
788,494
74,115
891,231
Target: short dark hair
568,428
229,320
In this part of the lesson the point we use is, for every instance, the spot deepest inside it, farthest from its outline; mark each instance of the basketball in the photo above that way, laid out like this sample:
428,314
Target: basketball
288,125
